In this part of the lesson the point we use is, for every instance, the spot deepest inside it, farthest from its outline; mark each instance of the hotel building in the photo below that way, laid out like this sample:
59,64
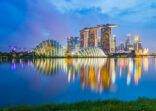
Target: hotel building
84,35
93,37
100,36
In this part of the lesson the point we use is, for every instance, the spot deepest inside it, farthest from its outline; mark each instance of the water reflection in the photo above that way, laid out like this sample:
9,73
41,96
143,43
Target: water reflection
20,63
97,74
49,66
155,62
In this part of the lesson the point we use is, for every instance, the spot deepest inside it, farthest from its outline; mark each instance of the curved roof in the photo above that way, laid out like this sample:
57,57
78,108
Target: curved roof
49,48
90,52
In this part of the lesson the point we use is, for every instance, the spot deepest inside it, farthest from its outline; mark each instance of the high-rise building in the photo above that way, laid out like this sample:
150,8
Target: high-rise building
113,44
127,43
136,38
73,43
93,37
89,37
99,27
100,36
106,36
121,47
138,43
84,35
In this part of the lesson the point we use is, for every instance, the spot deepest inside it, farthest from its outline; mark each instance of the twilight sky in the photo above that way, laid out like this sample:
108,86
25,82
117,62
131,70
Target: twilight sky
25,23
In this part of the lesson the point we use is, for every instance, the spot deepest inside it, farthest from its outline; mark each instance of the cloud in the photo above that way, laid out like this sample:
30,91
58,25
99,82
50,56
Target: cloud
28,22
127,10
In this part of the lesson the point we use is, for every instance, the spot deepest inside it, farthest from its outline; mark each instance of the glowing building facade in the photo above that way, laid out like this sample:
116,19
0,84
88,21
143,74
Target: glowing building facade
99,36
107,42
105,39
49,48
90,52
138,43
93,37
84,35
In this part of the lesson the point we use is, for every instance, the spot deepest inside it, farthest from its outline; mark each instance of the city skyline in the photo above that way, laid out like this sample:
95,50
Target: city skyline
26,23
77,55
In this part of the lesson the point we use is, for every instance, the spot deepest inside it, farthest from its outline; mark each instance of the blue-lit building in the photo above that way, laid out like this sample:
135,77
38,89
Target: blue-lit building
73,43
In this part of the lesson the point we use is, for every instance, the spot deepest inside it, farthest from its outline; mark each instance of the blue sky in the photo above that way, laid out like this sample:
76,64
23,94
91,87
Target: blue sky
25,23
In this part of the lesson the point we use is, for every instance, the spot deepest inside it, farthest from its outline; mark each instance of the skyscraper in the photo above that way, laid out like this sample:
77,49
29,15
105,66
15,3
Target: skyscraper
128,45
136,38
84,35
93,37
121,47
73,43
100,36
138,43
105,38
113,44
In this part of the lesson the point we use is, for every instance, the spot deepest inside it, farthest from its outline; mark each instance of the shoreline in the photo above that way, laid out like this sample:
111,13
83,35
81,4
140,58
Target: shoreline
9,56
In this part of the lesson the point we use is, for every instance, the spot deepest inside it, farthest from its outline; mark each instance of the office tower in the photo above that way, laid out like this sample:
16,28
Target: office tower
138,43
127,43
73,43
113,44
121,47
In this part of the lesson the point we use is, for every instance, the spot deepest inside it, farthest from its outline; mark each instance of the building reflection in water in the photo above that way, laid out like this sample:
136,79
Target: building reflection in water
155,63
95,73
16,63
98,74
49,66
133,67
130,70
137,70
145,63
72,70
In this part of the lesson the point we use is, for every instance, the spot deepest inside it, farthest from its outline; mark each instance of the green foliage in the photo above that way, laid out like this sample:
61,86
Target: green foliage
141,104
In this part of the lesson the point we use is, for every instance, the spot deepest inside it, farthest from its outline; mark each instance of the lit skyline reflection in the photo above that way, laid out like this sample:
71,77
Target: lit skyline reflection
96,73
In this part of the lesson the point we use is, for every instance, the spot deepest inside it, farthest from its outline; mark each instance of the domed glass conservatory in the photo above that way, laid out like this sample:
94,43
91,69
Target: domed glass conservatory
49,48
91,52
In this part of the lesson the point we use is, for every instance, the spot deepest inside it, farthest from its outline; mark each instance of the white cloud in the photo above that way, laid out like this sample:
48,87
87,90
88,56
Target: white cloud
129,10
104,5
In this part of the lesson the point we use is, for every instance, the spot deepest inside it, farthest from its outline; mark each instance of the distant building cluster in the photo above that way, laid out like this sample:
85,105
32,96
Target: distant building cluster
99,37
135,47
95,41
18,50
